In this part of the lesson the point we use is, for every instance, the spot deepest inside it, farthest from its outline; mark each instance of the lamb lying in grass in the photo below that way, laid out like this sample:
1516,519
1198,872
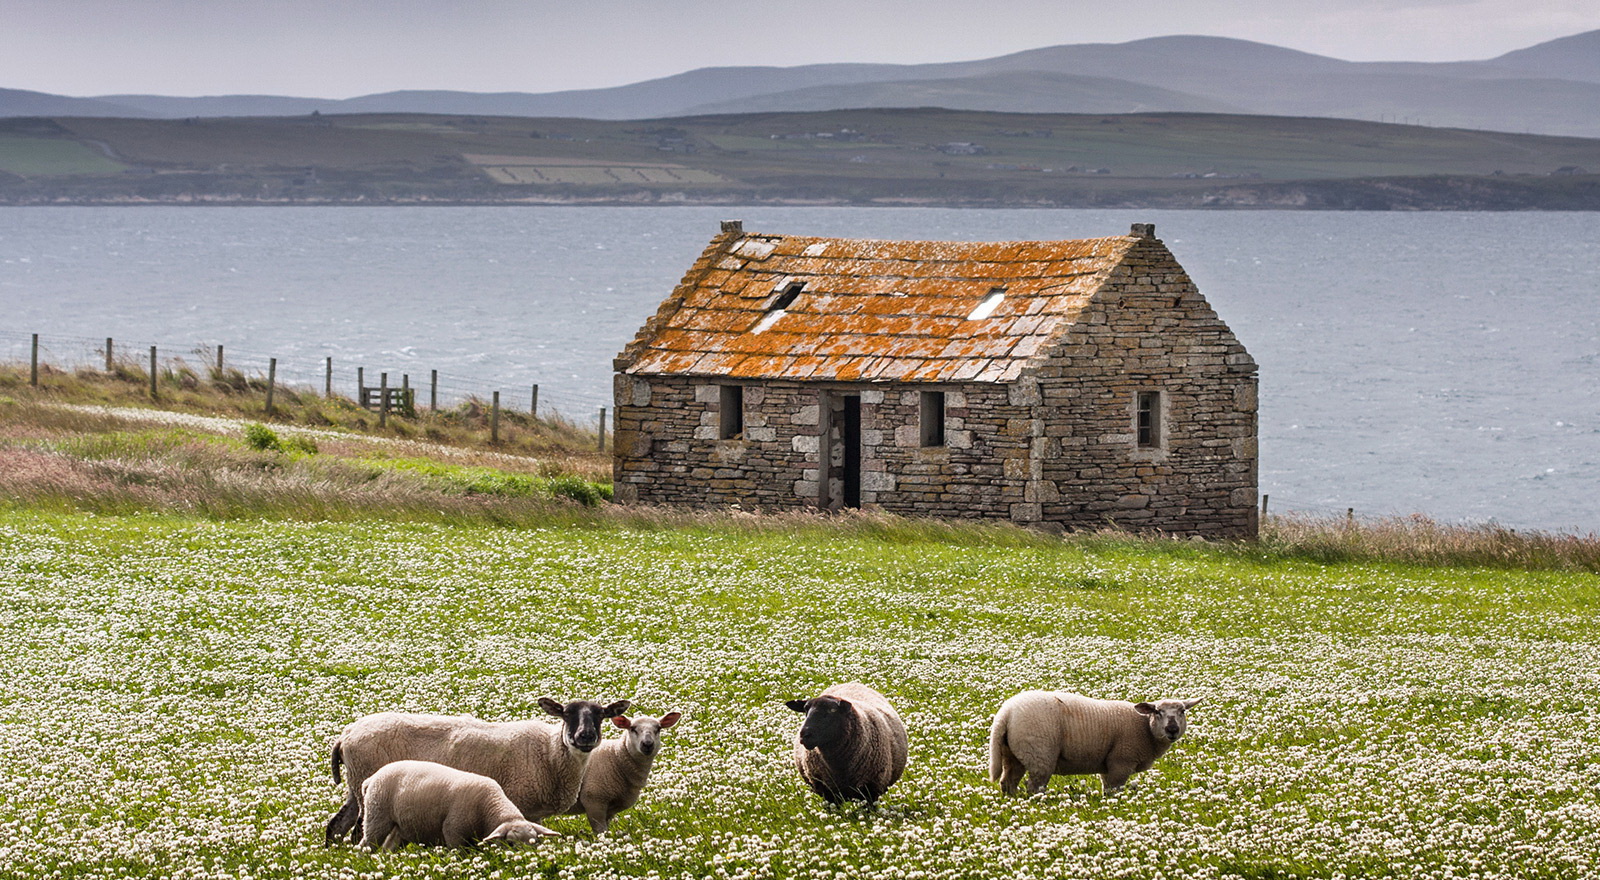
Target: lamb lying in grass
619,768
428,803
852,745
539,765
1049,733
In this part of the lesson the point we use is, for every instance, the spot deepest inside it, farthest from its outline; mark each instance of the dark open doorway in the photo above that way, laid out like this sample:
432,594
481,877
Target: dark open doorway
850,438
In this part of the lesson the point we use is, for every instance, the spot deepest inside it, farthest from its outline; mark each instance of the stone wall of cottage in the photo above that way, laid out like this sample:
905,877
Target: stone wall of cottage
1149,330
667,448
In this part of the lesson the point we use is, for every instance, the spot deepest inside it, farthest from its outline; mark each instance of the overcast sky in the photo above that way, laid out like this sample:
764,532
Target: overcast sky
345,48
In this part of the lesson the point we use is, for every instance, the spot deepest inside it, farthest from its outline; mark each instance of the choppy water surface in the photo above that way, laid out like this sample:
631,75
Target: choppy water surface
1438,363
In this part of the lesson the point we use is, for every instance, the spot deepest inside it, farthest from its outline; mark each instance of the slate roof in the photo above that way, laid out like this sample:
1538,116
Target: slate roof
870,310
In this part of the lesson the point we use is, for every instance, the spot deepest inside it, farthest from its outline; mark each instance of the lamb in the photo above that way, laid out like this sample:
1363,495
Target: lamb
428,803
619,768
1049,733
852,745
539,765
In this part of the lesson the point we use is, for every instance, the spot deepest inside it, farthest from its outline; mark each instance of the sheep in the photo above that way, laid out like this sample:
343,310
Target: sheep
539,765
428,803
619,768
1049,733
852,745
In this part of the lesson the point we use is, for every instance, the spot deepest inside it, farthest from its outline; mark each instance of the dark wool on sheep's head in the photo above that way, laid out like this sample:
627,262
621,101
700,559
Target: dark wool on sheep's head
580,720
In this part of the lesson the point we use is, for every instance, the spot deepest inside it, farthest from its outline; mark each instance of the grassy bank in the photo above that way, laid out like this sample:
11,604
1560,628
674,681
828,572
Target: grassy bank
170,685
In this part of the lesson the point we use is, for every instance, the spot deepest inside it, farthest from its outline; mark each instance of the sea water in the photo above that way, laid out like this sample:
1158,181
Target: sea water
1436,363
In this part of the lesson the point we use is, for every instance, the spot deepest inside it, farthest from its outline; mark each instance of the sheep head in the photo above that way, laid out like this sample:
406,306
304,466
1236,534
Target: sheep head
643,737
580,720
827,720
1166,718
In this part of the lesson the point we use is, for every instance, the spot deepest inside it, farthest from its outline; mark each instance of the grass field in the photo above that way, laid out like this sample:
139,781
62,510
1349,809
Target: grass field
170,686
29,156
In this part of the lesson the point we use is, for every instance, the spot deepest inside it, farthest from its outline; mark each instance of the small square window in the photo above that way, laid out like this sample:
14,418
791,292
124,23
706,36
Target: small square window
1147,419
732,414
932,418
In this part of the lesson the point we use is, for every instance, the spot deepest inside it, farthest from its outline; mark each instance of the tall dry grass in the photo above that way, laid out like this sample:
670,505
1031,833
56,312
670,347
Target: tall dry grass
232,394
1420,540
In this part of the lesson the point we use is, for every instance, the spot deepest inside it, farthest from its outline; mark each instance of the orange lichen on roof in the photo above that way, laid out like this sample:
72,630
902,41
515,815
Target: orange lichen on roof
871,310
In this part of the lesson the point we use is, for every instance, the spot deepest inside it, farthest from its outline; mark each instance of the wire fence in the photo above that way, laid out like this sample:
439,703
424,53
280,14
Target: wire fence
322,375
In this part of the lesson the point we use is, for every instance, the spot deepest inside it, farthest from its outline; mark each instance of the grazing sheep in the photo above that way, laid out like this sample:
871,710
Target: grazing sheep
539,765
852,745
619,768
428,803
1049,733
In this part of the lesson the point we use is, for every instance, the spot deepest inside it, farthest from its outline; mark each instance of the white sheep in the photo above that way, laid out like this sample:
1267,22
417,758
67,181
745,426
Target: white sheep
539,765
428,803
1049,733
619,768
852,745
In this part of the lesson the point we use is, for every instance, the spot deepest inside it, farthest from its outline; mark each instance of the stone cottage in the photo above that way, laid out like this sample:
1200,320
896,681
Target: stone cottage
1072,383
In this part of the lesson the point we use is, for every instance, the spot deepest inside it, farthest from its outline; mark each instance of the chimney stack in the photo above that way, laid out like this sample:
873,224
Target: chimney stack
1143,230
735,227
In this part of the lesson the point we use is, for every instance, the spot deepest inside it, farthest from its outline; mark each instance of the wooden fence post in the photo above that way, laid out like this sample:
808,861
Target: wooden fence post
327,380
219,357
433,391
361,386
533,404
108,354
153,394
33,363
272,380
1264,497
494,421
602,429
383,399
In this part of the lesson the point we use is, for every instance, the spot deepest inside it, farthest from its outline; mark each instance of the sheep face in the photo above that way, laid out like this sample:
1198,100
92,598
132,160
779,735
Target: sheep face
1166,718
827,720
520,832
580,720
643,737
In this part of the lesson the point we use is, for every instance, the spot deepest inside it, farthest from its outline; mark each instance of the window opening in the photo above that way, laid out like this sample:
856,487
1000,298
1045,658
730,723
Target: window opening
1147,419
732,416
989,304
779,306
933,418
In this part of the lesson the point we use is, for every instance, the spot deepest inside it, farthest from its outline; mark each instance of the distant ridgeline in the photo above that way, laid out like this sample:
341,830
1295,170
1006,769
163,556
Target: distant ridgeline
926,157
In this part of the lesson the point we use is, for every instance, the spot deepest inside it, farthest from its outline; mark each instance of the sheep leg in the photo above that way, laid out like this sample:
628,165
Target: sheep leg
343,823
599,820
1113,780
379,830
1011,771
1038,781
393,841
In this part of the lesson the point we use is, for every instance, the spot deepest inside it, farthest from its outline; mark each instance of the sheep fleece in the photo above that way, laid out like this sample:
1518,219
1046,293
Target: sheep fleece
871,765
528,758
1061,733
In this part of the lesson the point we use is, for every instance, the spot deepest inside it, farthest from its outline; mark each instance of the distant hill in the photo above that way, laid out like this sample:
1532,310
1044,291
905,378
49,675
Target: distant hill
917,156
1549,88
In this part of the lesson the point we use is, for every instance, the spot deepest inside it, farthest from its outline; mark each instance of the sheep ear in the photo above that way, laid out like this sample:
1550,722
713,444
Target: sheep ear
545,832
623,722
500,833
1190,704
618,708
1144,708
670,719
797,705
552,707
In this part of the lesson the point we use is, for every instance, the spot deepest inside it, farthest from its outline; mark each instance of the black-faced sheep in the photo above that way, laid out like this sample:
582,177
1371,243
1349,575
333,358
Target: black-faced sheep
619,768
1045,733
423,802
852,745
539,765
